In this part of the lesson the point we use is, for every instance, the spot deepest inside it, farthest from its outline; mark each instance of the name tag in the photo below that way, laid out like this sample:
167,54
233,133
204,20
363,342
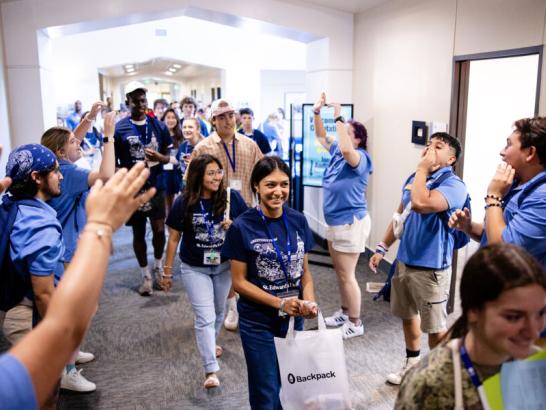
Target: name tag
236,184
168,167
211,258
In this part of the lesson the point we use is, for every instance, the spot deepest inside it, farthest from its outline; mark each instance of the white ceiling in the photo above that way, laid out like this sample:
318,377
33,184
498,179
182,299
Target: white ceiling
348,6
158,66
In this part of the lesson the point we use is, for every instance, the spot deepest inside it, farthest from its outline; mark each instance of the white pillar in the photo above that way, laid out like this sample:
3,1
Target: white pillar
329,69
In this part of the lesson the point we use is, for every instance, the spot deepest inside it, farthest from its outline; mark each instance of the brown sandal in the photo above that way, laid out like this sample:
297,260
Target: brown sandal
211,381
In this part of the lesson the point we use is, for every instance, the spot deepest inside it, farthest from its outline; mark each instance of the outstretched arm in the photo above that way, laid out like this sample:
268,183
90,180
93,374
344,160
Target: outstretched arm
47,348
320,132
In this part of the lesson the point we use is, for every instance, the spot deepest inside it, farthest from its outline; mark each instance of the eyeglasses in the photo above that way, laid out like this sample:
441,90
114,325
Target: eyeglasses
218,172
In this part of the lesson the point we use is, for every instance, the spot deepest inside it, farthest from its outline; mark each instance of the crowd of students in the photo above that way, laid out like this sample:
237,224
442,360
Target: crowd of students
224,202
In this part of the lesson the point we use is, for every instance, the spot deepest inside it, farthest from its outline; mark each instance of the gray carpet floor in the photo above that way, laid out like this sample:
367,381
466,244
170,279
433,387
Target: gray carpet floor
146,356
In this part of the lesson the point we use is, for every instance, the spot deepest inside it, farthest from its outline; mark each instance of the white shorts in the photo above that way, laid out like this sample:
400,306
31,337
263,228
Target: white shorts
350,238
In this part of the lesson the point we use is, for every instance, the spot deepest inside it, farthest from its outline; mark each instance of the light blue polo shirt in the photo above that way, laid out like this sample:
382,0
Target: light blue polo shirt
16,388
36,241
526,225
70,205
423,242
345,187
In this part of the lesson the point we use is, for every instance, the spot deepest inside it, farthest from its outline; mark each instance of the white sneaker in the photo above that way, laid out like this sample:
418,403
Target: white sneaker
158,276
84,357
74,381
337,319
396,378
350,330
146,287
232,318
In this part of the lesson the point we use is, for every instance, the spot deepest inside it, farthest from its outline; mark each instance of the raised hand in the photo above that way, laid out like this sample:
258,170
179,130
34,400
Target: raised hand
461,220
320,103
109,124
114,202
502,180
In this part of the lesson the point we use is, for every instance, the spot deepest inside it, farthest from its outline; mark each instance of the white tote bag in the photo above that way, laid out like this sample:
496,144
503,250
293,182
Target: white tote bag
312,368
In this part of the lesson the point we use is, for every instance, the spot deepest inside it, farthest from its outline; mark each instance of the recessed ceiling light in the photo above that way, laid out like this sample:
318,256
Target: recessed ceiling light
130,70
129,66
168,73
177,65
172,70
132,73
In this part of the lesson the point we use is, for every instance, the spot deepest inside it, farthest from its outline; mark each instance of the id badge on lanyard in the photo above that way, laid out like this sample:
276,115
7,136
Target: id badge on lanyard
211,257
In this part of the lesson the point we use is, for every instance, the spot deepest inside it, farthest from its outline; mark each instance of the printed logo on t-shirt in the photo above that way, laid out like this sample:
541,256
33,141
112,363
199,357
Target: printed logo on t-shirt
136,149
202,234
269,267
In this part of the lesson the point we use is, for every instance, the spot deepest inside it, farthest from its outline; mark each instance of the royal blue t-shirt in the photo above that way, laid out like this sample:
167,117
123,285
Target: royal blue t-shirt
16,388
526,225
183,149
70,205
345,187
196,239
426,241
259,138
36,242
248,241
131,139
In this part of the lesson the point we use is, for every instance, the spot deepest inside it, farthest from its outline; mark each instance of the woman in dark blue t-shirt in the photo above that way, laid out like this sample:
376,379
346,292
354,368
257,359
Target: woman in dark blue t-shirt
201,216
268,246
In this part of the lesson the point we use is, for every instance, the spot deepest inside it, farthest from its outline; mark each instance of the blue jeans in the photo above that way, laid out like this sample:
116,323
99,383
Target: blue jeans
264,381
207,289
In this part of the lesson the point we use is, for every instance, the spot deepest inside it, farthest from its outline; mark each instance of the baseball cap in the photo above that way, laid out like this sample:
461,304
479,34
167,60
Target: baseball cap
220,107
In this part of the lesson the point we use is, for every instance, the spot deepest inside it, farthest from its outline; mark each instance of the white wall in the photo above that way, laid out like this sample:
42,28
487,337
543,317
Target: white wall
403,60
274,85
4,117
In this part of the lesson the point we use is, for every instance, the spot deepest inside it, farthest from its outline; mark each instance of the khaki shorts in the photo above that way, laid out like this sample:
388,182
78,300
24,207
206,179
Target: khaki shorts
17,322
421,292
350,238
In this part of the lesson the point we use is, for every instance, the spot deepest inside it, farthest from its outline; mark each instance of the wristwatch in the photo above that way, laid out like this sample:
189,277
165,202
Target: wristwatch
340,118
105,139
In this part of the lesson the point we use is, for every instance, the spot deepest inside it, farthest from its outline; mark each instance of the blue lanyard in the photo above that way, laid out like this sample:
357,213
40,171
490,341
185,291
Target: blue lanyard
231,160
274,242
208,223
473,376
470,367
147,136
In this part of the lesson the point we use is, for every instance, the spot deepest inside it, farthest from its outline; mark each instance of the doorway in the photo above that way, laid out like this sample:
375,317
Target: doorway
490,92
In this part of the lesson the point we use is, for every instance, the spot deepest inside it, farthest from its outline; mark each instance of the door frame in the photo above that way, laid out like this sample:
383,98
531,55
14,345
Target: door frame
458,114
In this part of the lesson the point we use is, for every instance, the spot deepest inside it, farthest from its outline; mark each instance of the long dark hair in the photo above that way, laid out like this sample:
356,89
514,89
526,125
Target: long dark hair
194,183
177,131
266,166
489,272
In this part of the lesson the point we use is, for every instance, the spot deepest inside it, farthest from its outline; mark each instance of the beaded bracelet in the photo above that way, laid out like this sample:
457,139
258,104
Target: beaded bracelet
496,198
495,204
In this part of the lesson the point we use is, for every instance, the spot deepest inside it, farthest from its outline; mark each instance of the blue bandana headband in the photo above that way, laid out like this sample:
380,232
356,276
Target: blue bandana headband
29,158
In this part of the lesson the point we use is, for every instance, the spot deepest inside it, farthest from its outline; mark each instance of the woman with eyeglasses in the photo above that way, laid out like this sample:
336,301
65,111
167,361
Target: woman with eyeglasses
201,216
